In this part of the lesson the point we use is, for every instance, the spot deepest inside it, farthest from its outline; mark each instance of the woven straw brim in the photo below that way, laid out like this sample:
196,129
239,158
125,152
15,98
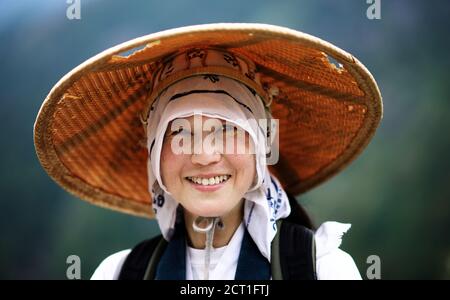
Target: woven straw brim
90,140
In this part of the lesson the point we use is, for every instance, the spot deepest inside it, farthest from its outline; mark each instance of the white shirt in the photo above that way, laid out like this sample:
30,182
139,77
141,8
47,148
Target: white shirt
223,262
331,262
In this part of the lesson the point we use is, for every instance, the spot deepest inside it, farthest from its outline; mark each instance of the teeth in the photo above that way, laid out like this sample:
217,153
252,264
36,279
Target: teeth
209,181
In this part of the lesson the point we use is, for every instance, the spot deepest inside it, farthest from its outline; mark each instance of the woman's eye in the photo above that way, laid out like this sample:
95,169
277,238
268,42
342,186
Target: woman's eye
180,131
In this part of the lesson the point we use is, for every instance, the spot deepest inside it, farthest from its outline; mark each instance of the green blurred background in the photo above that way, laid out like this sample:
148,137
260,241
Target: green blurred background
396,194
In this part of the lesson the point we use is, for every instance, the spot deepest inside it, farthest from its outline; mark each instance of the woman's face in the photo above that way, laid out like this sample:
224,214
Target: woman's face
205,182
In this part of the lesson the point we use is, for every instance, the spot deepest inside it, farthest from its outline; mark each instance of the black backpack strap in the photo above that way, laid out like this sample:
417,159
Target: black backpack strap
142,261
293,252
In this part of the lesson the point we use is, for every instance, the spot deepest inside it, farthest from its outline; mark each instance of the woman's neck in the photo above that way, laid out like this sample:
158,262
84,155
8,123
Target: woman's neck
222,236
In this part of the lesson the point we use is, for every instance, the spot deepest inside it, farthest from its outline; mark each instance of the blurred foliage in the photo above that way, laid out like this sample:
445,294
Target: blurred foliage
396,194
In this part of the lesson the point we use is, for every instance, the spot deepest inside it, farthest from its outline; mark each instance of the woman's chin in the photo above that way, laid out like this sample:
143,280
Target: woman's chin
209,209
207,196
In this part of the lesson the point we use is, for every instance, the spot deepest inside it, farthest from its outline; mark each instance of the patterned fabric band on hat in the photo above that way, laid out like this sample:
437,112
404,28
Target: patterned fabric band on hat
200,61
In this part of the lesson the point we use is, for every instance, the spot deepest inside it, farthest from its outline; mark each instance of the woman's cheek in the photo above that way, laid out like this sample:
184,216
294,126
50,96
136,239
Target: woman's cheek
168,164
244,166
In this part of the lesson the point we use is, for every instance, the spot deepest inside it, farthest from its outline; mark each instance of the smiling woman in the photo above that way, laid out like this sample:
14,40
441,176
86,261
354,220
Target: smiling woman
208,184
219,104
192,178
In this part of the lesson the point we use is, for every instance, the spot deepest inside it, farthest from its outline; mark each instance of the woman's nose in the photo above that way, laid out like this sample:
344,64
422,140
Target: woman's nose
204,158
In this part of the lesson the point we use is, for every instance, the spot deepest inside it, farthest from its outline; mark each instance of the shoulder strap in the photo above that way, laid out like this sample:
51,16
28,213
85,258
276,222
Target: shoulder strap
293,252
142,261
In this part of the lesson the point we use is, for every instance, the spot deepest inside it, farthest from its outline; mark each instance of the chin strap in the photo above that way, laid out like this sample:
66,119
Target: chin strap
209,229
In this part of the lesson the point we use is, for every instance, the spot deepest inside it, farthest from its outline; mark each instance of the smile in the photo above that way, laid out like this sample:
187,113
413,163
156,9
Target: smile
206,181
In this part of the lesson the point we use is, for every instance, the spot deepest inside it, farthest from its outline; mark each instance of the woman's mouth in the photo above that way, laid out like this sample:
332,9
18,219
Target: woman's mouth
208,183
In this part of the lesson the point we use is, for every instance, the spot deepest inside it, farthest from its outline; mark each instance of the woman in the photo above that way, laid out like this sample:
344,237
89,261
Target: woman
220,104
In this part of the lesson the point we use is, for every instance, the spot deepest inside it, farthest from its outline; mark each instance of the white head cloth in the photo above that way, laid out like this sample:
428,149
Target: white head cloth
227,99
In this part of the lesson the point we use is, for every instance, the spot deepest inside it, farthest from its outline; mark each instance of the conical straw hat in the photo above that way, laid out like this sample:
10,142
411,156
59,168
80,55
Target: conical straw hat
89,137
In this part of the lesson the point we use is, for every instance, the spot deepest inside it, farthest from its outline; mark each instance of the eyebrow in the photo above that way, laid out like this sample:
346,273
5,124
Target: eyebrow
179,95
